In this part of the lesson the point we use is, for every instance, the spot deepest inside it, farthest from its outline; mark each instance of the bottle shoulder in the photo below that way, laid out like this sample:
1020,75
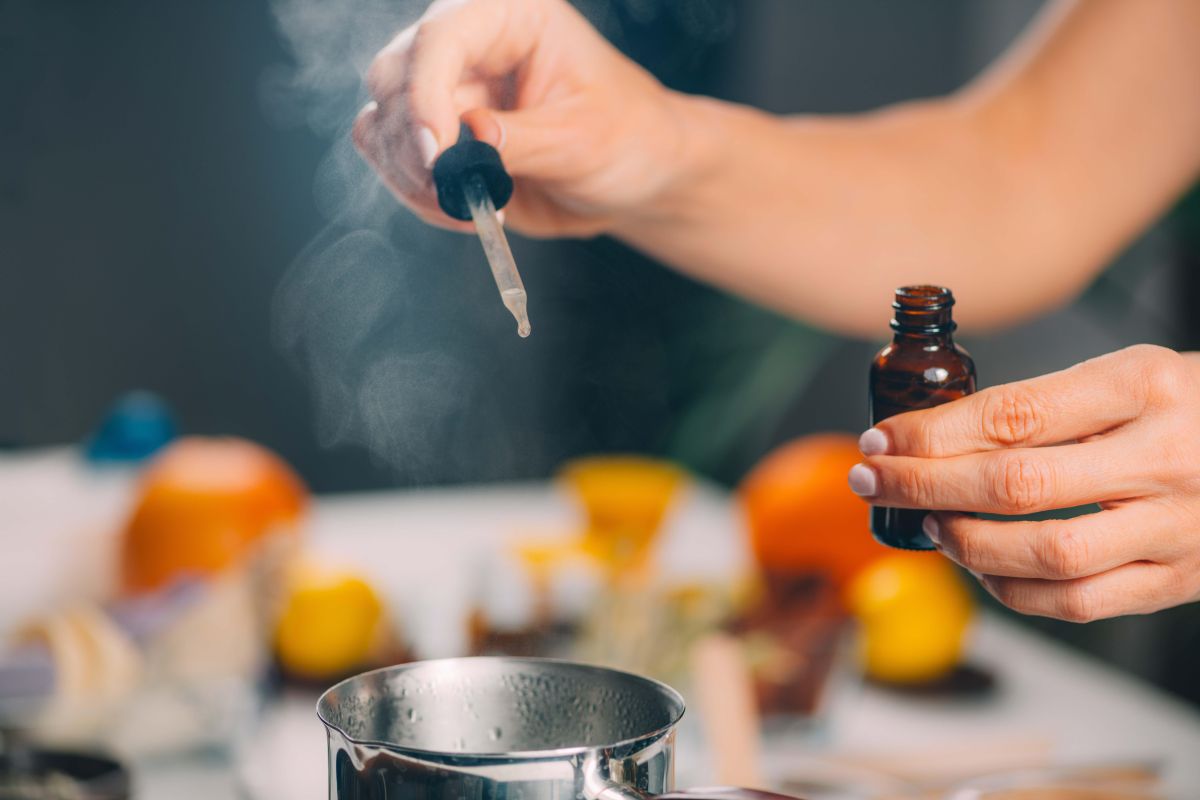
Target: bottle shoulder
924,362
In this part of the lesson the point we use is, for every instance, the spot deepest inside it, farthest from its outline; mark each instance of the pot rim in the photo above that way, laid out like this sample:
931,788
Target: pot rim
680,708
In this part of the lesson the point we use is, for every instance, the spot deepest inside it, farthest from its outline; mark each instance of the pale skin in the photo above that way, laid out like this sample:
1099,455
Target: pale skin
1014,191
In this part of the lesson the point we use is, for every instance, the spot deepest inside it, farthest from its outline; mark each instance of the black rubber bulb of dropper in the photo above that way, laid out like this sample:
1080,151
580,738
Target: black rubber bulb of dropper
466,157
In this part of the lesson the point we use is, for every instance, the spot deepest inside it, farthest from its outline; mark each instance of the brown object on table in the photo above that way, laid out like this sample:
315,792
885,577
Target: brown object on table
539,639
791,638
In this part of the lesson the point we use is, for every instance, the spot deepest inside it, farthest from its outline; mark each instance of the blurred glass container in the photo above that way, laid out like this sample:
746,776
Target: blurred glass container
797,641
172,672
173,663
625,499
531,597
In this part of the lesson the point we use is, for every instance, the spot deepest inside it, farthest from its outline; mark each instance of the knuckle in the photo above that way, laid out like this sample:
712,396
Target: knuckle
375,75
922,437
957,540
382,71
426,30
1175,466
1011,417
1076,602
1162,371
1142,353
1178,585
1175,453
411,79
1005,590
420,38
914,486
1062,554
1021,484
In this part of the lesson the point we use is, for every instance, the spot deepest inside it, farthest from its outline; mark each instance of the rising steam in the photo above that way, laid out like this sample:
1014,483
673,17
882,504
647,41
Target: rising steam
395,323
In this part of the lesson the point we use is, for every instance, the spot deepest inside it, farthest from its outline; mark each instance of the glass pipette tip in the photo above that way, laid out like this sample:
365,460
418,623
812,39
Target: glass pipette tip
495,247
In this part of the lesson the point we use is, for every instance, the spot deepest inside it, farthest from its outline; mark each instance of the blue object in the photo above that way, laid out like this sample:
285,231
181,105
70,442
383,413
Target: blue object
137,425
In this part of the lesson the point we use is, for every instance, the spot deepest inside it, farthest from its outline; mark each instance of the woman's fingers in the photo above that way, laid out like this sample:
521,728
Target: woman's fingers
1063,549
398,174
1134,414
1138,588
534,142
421,69
422,81
1020,481
1089,398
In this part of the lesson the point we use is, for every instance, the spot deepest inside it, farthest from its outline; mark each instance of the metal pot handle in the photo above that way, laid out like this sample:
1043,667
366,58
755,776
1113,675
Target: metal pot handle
723,793
619,792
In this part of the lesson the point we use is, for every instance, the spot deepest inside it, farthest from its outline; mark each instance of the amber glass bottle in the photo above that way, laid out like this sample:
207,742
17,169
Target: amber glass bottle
922,367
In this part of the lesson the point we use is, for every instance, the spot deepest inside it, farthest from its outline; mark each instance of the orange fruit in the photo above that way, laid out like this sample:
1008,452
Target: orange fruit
801,514
913,612
203,504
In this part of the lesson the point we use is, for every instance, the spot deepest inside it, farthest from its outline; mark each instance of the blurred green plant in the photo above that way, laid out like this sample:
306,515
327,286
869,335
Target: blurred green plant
747,368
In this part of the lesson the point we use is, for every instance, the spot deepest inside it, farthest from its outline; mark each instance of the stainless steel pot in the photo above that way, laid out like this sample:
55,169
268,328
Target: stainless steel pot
504,729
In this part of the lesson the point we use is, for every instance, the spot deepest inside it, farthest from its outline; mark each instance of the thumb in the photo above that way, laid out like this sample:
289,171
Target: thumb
532,142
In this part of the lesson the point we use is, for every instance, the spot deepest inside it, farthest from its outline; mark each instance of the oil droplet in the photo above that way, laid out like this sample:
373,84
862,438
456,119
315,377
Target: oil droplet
494,734
413,716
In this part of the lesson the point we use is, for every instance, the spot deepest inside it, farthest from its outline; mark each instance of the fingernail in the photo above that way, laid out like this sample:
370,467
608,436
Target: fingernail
500,215
503,136
873,442
863,481
931,528
427,146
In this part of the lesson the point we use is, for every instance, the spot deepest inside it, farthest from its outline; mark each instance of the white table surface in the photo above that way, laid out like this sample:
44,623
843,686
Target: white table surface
424,550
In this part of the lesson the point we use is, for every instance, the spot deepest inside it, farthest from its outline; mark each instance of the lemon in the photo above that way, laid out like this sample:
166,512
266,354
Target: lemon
914,612
331,622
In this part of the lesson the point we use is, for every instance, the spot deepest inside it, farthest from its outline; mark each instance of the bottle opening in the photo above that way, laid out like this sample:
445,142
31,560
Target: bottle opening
928,298
923,309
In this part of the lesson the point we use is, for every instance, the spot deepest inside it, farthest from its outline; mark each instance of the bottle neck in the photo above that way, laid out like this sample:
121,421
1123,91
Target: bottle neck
921,338
923,312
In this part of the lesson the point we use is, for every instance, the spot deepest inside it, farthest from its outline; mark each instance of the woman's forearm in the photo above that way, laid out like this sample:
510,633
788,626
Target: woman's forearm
1014,192
822,217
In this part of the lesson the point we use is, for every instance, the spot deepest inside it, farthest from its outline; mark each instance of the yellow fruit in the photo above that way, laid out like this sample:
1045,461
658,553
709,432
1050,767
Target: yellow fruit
914,612
331,622
625,499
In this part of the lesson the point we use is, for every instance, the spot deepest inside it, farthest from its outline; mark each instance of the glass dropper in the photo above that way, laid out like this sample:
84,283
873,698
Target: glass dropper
471,184
495,247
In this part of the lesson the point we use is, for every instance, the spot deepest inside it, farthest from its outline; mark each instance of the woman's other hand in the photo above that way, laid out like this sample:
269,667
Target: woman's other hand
1121,430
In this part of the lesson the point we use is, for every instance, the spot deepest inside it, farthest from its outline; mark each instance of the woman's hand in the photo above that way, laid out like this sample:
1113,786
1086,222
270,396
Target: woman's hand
1122,430
587,134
